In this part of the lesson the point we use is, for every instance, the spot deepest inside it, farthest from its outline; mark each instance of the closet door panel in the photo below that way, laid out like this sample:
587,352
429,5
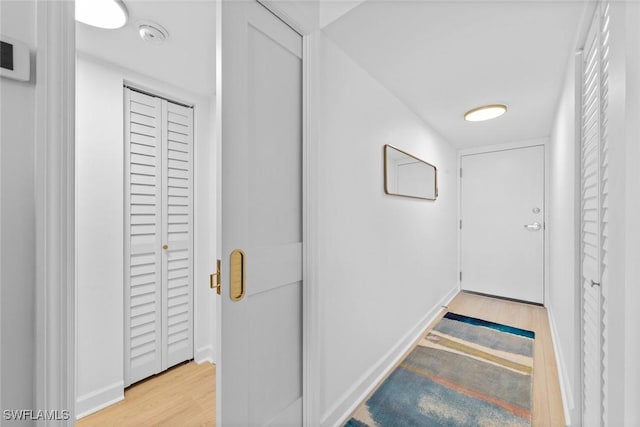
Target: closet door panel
143,239
177,230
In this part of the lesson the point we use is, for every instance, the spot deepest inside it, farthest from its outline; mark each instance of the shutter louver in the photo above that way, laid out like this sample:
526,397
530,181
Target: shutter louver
143,259
594,231
178,232
159,203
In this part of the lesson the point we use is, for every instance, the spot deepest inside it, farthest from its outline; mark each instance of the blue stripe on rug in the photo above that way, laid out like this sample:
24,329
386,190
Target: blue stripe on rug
407,399
492,325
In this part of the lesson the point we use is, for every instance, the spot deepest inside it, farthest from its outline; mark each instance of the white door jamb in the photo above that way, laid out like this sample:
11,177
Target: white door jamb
55,210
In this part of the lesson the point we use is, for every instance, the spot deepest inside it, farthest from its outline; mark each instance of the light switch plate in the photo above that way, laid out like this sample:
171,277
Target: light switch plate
16,63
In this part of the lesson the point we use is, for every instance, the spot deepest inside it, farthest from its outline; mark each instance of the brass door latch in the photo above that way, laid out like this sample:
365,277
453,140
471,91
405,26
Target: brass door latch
214,279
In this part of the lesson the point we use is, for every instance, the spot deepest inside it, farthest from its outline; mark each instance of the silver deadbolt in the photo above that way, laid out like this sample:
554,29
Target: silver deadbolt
535,210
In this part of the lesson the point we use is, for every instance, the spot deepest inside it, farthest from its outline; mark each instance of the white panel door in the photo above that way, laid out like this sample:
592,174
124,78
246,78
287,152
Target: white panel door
260,113
159,235
143,237
502,221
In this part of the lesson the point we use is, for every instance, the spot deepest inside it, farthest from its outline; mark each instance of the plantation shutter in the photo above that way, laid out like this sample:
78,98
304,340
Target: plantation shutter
159,235
143,238
594,189
177,182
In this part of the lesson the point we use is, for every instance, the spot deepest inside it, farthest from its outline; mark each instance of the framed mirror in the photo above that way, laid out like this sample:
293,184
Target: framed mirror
407,175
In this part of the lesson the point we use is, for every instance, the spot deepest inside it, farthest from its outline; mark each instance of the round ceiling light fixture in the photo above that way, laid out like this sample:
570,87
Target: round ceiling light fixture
107,14
152,32
486,112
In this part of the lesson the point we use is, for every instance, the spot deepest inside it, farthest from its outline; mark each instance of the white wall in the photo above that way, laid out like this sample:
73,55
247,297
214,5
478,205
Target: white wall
621,286
632,199
100,229
564,291
385,263
17,219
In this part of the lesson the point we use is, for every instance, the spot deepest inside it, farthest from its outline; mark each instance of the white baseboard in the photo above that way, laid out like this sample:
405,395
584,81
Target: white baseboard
204,354
99,399
356,394
563,374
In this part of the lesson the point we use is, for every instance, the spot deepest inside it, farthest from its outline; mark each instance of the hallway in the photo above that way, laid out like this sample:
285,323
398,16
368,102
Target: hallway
361,272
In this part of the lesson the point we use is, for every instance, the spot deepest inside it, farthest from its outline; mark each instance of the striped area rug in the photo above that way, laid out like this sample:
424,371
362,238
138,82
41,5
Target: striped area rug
465,372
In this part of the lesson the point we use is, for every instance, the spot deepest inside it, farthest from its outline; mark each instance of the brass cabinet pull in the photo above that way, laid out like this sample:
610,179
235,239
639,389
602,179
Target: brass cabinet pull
237,287
165,247
214,279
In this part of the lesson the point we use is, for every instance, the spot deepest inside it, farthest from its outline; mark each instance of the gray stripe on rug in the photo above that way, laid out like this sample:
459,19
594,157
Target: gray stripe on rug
473,374
486,337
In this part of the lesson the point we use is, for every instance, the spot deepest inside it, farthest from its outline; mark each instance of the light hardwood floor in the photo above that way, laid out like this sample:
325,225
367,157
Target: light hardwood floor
185,395
182,396
547,408
547,400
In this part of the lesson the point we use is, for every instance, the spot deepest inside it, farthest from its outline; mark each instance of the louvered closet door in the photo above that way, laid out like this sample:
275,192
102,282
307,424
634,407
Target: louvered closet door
159,243
594,227
143,238
177,231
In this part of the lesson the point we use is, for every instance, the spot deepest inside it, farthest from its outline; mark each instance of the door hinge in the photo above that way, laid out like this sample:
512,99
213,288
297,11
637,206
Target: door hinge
460,172
461,276
460,224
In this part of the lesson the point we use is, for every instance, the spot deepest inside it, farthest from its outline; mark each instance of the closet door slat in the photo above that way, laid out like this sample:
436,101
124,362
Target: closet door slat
177,230
159,235
143,238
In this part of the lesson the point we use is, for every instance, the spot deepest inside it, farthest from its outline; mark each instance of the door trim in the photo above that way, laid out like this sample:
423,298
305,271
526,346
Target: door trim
503,147
311,360
55,211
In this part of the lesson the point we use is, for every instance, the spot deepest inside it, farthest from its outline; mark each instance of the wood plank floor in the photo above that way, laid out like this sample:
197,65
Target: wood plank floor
185,395
547,399
547,408
182,396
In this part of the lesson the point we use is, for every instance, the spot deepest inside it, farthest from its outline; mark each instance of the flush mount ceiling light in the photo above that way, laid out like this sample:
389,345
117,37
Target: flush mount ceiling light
486,112
108,14
152,32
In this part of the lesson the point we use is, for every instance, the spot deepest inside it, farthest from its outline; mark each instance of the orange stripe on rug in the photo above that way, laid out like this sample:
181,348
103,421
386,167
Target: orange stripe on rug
516,410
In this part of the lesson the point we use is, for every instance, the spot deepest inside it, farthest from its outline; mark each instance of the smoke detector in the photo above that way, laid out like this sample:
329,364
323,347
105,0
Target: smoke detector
152,32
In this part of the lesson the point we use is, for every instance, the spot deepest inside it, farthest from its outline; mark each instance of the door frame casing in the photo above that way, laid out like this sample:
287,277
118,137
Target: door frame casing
55,210
544,142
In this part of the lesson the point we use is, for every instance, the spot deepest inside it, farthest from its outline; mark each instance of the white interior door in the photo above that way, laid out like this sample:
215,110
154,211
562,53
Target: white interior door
159,235
502,223
143,236
260,116
177,232
593,198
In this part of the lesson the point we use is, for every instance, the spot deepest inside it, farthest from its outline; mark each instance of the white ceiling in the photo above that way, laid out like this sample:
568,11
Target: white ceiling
186,59
444,58
440,58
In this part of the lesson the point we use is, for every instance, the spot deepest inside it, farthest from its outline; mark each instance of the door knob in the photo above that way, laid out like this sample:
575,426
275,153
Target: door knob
533,227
